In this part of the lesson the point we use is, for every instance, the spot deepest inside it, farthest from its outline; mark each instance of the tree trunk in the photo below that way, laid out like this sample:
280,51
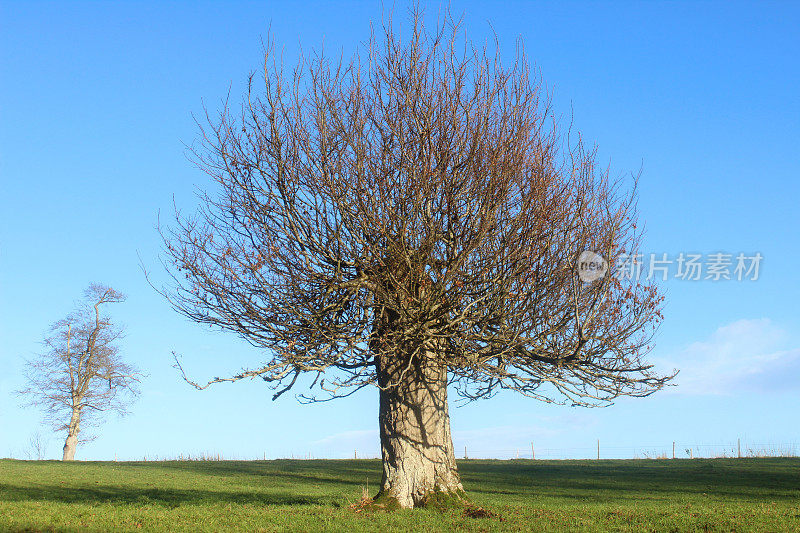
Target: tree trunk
416,445
72,436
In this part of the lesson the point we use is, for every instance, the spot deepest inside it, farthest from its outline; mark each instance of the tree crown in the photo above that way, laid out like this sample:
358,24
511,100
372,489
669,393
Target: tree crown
418,201
81,368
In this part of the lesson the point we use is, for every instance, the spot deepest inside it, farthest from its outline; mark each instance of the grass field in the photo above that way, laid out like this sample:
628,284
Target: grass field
630,495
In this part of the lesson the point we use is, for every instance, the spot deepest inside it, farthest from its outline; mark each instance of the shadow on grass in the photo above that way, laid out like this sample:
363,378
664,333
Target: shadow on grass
599,481
337,472
613,480
141,496
314,482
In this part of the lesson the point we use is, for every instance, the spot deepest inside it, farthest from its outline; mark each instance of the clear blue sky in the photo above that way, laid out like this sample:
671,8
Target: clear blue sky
96,103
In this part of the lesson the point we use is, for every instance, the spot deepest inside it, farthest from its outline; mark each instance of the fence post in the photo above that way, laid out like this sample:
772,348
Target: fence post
739,448
533,452
355,454
465,452
673,449
598,449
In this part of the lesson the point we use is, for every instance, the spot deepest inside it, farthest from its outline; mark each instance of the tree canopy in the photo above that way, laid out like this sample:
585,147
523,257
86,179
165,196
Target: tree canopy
421,194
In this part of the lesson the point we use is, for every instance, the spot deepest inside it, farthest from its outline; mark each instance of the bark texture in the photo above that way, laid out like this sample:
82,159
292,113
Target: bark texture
416,444
71,444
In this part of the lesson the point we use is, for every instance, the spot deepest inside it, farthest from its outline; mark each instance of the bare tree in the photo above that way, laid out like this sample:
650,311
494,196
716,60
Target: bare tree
36,447
411,220
81,374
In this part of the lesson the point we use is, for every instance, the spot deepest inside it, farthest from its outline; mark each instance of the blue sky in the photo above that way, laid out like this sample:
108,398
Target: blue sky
96,105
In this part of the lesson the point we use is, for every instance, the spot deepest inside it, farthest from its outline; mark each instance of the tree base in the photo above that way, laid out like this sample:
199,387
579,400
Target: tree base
437,499
445,500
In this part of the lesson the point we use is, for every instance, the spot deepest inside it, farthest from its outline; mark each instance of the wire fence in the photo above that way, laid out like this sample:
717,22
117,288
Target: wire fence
597,451
673,450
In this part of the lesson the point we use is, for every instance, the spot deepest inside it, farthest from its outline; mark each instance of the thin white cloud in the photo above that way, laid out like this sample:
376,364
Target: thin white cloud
349,438
746,355
543,426
483,441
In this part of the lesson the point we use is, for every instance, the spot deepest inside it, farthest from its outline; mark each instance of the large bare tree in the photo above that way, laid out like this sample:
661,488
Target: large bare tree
81,375
410,220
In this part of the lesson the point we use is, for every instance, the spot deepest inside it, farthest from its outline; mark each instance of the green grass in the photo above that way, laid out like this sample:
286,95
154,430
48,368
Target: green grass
631,495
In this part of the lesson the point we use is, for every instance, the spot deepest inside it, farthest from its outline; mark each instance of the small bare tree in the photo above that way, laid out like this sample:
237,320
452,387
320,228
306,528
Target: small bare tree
411,220
36,447
80,374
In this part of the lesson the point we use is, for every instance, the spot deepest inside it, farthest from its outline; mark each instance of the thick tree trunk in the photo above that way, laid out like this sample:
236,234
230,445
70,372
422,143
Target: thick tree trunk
416,445
72,436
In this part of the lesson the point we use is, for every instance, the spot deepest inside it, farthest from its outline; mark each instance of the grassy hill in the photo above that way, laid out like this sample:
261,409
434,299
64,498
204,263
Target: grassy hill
284,495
